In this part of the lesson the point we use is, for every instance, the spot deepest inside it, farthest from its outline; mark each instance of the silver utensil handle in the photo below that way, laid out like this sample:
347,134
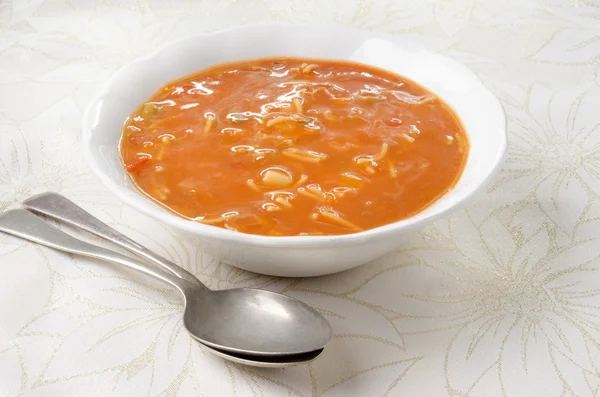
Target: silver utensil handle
21,223
61,208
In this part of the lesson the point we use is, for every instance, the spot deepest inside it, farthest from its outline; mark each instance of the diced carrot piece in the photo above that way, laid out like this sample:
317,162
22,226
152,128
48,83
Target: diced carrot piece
135,165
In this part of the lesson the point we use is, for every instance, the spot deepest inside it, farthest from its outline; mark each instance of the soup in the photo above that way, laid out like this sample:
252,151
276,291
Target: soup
286,147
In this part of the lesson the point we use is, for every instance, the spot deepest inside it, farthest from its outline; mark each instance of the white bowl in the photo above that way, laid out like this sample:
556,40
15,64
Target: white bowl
479,110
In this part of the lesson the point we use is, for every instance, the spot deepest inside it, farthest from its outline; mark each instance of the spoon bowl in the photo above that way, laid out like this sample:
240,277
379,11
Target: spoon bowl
256,322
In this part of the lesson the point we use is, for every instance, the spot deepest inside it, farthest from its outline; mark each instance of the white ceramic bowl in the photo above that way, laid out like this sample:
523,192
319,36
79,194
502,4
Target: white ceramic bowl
479,110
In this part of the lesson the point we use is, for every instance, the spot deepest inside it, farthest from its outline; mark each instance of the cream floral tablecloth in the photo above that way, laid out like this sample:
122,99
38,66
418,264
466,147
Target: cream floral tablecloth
499,299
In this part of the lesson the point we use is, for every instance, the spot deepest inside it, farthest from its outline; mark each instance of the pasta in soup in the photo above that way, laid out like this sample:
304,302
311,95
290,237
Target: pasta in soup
285,147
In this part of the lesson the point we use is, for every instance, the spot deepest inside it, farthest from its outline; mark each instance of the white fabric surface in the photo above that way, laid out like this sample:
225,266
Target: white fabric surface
499,299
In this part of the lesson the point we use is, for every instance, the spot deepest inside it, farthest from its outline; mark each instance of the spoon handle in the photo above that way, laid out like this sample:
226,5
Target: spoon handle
21,223
61,208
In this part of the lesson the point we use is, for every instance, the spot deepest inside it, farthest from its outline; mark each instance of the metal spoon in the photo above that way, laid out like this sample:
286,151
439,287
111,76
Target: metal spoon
244,322
24,224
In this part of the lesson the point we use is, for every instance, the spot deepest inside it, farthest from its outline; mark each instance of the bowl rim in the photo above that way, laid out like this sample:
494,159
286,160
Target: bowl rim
222,234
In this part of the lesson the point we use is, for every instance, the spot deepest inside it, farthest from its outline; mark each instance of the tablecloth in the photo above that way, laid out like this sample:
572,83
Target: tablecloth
501,298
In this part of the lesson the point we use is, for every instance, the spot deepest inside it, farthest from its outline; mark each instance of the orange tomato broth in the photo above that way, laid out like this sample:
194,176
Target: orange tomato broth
289,146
